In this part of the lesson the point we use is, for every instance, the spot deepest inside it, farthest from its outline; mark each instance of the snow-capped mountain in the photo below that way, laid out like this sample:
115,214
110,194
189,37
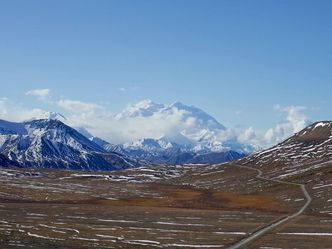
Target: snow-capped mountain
162,151
153,144
147,108
197,137
155,151
54,116
197,128
51,143
50,115
193,137
144,108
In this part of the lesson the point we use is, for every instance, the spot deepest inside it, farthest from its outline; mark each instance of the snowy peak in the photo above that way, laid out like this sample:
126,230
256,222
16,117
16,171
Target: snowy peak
54,116
147,108
147,105
50,116
191,124
147,142
184,128
52,144
177,138
57,132
144,108
161,151
203,118
150,144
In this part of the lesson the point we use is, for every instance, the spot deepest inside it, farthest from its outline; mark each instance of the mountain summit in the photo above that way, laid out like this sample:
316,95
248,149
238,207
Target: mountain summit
52,144
187,134
147,108
192,126
144,108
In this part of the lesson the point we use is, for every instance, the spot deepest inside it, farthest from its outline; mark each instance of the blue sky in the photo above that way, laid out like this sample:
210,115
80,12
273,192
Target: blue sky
236,60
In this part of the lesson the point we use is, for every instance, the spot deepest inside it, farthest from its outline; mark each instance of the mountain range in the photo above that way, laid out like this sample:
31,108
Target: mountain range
192,126
51,143
199,139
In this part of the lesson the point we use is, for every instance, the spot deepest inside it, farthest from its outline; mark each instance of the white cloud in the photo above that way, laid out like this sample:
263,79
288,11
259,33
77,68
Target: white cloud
12,112
39,93
119,130
248,135
295,120
76,106
107,126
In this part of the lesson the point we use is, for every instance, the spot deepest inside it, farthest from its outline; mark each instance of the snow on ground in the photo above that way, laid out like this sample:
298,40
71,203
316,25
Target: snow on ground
307,234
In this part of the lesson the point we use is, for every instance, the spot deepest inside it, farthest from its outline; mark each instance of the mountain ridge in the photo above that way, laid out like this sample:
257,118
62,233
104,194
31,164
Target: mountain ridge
199,132
196,138
300,152
50,143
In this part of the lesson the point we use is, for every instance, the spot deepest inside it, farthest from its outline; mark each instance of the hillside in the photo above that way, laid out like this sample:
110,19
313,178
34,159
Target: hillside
301,152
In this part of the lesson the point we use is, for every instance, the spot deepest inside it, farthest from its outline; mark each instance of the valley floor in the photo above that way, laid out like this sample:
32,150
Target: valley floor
192,206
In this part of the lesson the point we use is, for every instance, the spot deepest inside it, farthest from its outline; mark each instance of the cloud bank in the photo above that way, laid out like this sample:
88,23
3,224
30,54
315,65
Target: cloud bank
119,129
13,112
294,121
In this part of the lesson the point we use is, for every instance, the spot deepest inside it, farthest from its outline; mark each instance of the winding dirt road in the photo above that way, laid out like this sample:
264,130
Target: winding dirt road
244,242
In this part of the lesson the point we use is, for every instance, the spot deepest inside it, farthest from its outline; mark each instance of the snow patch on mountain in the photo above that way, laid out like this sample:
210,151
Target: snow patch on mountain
195,128
52,144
